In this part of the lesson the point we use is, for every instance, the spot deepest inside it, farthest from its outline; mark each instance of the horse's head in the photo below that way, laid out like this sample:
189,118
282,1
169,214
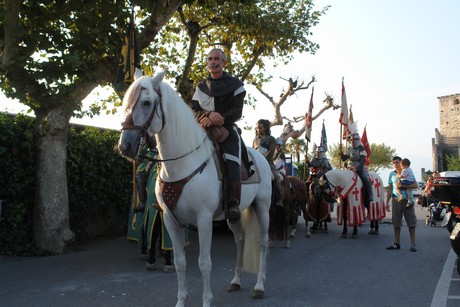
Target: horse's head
142,104
327,186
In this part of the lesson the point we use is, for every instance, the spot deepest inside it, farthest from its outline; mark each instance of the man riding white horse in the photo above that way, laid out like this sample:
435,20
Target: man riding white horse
356,157
218,102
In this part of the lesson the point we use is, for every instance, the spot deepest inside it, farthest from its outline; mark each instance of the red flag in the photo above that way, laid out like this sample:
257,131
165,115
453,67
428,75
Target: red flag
308,118
366,145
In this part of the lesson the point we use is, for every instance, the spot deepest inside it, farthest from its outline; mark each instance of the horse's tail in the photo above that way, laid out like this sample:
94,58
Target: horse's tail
251,248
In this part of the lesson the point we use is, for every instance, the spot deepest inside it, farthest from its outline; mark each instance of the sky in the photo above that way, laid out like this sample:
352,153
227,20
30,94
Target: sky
396,58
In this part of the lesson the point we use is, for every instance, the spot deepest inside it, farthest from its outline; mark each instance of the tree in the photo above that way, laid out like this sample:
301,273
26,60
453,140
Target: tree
297,147
251,32
453,163
54,53
381,156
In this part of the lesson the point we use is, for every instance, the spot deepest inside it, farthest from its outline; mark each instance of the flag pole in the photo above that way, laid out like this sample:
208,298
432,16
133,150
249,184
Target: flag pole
340,147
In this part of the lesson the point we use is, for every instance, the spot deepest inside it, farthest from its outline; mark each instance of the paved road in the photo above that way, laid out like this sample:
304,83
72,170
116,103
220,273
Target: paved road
321,271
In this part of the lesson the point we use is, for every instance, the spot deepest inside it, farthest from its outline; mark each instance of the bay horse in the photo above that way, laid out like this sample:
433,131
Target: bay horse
294,196
298,198
188,187
347,185
319,209
279,215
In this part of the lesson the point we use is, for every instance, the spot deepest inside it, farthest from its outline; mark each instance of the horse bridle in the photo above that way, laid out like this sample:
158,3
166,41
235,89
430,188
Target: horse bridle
128,124
328,183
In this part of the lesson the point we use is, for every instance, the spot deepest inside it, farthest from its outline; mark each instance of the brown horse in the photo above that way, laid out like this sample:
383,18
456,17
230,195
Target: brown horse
278,228
319,209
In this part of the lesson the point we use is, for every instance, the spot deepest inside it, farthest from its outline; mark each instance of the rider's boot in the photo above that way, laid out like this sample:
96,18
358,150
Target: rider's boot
368,197
232,212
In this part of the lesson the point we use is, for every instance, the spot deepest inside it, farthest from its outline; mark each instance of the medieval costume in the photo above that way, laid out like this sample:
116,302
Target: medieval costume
225,95
356,157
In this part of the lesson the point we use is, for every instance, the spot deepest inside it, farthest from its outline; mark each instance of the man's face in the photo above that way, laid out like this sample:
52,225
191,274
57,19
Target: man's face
260,130
216,64
396,164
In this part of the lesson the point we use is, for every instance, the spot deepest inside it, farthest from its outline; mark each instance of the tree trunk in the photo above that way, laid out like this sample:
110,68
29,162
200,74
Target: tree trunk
51,209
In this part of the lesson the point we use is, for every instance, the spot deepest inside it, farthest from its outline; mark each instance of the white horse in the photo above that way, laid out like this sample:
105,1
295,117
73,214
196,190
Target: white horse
192,189
348,186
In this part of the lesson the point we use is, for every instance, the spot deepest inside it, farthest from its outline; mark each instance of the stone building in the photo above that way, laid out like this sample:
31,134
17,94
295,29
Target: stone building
447,138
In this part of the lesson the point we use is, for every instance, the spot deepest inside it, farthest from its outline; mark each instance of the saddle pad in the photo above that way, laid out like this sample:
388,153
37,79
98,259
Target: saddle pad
254,178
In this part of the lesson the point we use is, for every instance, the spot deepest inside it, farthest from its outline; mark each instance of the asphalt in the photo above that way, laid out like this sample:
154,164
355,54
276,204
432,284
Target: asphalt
105,273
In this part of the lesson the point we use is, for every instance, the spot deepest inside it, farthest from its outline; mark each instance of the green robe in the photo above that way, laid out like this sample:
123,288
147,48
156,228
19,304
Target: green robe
144,221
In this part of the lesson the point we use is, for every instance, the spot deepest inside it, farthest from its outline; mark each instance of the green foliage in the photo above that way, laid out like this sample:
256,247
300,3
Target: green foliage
453,163
16,185
99,184
297,147
250,32
60,49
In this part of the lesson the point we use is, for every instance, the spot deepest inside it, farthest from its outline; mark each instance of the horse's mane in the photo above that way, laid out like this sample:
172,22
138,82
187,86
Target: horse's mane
182,118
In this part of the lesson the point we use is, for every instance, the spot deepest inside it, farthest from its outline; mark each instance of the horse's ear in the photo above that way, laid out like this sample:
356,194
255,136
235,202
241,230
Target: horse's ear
157,79
137,73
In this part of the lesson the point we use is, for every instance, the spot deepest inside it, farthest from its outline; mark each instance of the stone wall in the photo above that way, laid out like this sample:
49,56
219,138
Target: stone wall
449,116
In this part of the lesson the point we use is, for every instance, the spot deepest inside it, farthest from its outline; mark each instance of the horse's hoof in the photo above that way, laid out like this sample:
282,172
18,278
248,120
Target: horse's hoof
343,236
353,236
271,244
233,288
169,269
258,294
287,244
308,235
291,236
151,267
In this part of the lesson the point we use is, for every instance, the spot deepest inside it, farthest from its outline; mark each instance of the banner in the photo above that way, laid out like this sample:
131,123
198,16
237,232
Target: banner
308,118
323,138
366,146
344,108
129,60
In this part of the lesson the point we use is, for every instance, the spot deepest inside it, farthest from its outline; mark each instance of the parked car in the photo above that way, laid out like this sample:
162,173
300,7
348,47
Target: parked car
419,191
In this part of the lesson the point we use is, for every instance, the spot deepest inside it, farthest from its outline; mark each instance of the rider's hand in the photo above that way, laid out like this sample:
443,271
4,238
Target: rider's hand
205,122
216,118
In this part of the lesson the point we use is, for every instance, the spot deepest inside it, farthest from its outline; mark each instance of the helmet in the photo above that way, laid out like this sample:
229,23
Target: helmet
279,141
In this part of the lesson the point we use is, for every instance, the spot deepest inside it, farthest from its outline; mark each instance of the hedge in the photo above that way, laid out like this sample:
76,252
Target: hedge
99,184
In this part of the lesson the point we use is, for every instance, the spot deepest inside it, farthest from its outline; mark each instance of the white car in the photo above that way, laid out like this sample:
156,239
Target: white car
419,191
